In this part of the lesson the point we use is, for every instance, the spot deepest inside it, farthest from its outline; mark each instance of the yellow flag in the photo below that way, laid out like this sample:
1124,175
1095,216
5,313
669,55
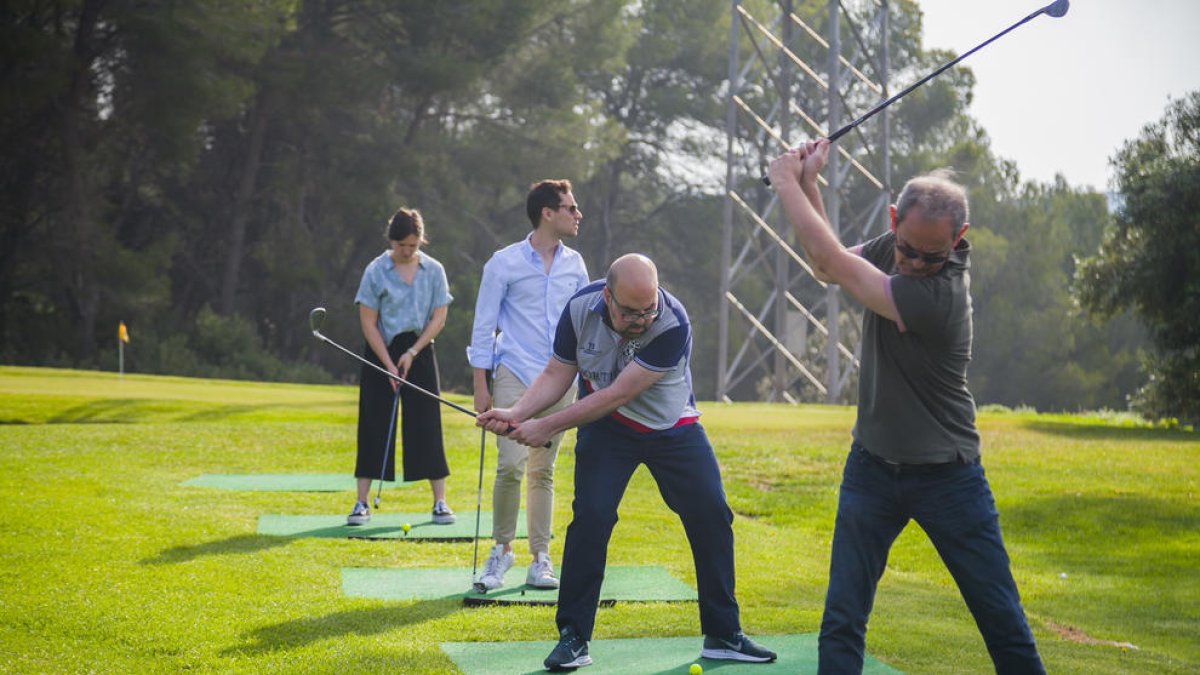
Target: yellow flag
122,334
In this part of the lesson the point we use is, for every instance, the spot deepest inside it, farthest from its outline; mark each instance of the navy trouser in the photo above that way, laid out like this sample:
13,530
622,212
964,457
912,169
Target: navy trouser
953,504
681,461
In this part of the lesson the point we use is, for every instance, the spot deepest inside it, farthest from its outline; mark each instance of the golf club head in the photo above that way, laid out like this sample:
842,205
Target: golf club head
1058,8
316,319
376,501
479,587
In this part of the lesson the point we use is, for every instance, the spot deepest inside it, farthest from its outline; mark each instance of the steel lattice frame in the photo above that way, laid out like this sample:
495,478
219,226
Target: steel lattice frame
769,297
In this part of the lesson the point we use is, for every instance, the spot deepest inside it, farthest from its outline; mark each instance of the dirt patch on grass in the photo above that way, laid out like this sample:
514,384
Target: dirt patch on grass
1075,635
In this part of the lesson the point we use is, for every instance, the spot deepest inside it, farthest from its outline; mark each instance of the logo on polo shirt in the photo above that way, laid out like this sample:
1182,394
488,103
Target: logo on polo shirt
630,350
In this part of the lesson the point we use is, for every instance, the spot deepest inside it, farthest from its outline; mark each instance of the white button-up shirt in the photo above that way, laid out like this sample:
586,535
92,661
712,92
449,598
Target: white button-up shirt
518,297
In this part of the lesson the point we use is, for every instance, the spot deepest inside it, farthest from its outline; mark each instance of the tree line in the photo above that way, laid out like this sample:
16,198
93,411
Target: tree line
207,172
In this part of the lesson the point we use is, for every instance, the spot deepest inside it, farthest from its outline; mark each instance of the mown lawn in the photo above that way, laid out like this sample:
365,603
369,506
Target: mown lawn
108,565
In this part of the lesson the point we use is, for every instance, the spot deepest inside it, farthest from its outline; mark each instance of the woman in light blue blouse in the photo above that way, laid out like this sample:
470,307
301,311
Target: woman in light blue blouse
402,303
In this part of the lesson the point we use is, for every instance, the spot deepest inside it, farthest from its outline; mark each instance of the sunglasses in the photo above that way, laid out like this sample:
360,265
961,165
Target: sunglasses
927,258
630,315
573,208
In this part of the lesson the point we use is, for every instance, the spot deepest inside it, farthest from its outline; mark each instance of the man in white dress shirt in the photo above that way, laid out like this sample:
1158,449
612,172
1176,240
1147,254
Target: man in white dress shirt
522,294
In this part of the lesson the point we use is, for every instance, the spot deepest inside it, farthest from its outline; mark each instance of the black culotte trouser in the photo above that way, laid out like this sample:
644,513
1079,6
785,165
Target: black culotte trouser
420,422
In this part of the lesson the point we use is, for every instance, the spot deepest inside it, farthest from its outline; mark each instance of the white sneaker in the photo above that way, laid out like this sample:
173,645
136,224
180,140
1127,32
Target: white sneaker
541,572
497,564
361,515
442,515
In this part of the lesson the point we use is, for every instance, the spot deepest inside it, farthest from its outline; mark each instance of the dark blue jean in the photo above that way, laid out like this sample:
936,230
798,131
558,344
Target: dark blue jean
681,461
953,504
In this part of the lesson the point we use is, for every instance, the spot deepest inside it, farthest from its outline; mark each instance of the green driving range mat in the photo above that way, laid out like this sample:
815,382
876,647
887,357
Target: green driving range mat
621,584
386,525
644,656
282,482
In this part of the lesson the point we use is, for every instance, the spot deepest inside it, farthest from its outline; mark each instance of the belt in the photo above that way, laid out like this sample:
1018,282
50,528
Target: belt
900,467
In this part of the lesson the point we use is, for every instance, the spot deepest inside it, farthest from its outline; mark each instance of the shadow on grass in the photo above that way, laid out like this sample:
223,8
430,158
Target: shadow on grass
1097,432
134,410
241,544
108,411
221,413
1107,535
356,622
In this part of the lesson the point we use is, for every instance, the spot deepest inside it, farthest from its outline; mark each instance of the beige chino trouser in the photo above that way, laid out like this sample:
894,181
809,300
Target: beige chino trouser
514,461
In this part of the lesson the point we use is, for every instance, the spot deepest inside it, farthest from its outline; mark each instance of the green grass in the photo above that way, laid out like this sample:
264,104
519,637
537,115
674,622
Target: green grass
108,565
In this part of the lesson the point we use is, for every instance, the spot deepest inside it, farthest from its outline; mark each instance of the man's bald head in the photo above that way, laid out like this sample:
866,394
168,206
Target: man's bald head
631,290
633,272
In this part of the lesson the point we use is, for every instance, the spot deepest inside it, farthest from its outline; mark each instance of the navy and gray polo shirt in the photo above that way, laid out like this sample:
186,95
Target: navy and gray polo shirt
585,340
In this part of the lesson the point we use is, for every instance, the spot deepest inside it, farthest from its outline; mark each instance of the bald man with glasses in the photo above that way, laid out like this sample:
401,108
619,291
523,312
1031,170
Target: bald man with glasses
629,342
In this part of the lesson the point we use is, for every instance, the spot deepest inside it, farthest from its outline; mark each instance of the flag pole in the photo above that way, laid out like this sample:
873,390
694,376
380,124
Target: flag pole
122,338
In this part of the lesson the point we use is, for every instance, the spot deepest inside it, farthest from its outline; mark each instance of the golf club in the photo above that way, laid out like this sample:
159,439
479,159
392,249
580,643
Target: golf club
388,445
475,582
316,319
1056,9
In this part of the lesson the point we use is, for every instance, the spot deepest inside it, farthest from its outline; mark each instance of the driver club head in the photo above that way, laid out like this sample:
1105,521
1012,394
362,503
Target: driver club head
1058,8
316,319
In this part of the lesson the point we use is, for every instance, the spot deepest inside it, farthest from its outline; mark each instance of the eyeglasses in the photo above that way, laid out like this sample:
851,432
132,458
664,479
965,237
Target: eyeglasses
631,315
573,208
927,258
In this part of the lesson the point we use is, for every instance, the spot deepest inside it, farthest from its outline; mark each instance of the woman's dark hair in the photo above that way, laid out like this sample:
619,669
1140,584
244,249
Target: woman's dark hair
405,223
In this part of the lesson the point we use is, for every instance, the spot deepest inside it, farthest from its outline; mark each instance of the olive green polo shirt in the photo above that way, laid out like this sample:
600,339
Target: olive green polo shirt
913,402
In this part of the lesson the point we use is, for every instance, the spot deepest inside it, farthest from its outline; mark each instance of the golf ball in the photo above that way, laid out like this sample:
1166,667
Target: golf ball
406,527
695,669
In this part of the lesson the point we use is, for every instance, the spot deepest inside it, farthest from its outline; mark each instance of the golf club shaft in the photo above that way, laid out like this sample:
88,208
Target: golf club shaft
478,503
317,317
397,378
388,445
907,90
479,493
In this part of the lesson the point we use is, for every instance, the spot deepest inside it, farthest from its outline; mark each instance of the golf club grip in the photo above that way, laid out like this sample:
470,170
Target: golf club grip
832,137
510,429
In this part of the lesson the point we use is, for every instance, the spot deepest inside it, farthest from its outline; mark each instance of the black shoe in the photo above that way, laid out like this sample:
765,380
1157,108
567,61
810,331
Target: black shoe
570,653
736,647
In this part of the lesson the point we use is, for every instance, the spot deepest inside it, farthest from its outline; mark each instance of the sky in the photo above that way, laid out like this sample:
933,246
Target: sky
1063,95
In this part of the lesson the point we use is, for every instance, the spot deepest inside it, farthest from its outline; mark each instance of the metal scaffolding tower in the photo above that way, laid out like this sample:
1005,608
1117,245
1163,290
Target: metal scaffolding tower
784,335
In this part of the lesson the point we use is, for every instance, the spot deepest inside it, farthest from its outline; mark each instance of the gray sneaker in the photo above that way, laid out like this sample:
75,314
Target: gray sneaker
442,515
736,647
361,515
570,653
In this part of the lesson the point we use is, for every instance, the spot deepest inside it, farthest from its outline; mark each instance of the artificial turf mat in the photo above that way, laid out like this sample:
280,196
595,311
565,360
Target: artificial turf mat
385,525
282,482
648,583
644,656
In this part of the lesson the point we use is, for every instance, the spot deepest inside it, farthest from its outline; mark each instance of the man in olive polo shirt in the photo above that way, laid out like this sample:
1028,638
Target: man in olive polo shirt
915,454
